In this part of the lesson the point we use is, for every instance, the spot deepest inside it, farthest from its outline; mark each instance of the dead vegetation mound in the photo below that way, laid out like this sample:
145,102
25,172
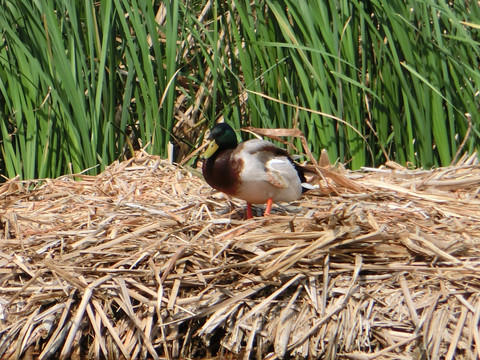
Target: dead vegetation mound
146,261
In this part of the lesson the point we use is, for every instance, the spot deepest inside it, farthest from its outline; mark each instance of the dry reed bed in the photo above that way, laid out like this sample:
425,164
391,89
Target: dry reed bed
146,261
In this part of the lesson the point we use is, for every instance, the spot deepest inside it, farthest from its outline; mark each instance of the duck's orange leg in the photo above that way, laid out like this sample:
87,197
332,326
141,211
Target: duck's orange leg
249,211
269,206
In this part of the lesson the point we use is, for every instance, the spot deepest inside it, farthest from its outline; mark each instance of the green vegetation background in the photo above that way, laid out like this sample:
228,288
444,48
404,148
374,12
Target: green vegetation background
84,83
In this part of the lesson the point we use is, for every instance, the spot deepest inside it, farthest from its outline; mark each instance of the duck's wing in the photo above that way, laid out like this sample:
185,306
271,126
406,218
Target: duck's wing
262,159
281,172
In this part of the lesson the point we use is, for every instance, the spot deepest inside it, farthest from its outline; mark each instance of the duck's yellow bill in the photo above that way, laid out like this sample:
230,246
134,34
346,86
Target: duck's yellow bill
211,148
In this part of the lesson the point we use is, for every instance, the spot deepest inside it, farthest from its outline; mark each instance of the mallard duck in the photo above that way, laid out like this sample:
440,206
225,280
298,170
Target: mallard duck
256,170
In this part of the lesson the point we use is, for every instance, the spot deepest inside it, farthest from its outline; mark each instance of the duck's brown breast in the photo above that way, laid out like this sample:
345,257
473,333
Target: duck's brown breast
221,171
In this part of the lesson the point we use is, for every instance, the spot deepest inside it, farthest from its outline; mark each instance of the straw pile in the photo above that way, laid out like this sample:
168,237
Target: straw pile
146,261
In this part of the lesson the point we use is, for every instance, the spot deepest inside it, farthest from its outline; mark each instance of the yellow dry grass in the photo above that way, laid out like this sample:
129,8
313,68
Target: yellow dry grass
146,261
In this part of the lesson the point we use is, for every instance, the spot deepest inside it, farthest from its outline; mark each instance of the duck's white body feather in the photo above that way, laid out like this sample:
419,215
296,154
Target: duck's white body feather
265,175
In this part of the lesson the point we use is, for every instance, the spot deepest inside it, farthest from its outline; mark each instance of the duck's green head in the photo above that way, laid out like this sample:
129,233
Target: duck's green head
221,137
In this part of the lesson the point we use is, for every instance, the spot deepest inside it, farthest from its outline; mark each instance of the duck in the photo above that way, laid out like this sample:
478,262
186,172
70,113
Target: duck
255,171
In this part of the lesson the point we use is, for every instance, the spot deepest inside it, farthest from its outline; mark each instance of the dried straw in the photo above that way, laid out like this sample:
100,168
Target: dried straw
147,261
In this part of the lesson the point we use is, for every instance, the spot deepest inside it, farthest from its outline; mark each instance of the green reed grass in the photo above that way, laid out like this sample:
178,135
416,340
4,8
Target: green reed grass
85,83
